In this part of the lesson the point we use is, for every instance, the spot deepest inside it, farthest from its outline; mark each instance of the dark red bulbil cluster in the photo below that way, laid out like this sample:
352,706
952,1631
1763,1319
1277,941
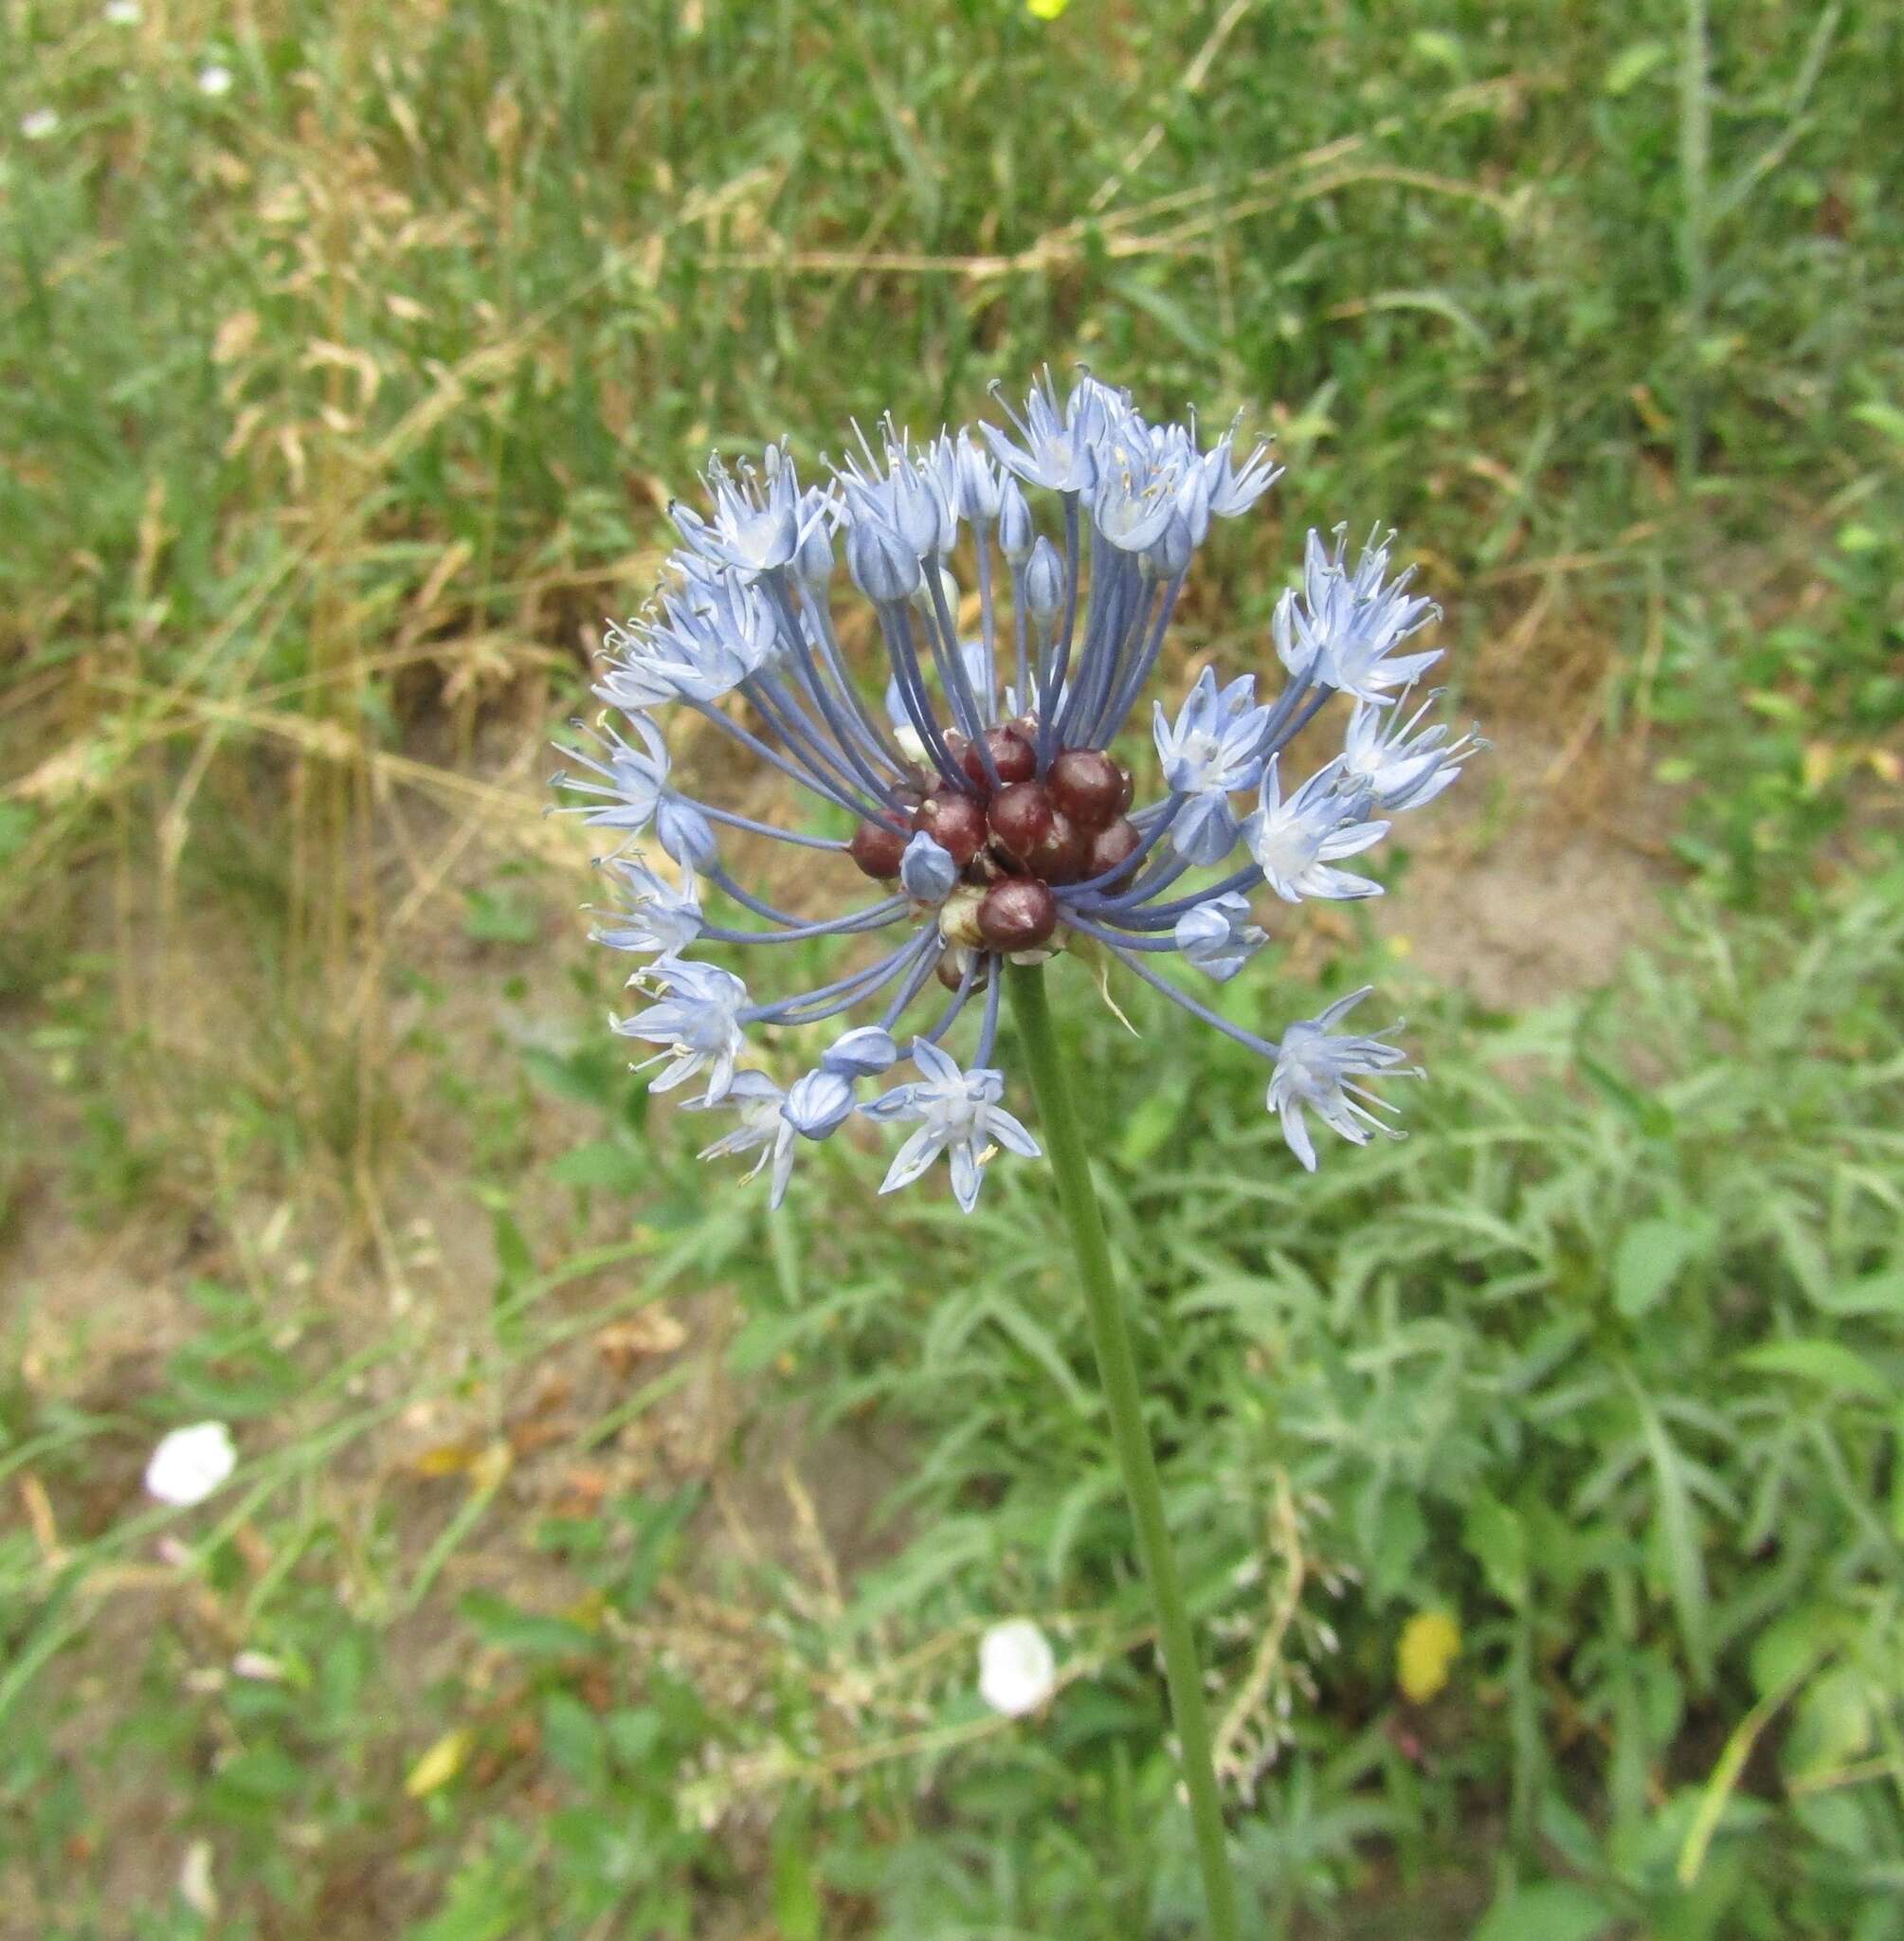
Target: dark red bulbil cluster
1016,838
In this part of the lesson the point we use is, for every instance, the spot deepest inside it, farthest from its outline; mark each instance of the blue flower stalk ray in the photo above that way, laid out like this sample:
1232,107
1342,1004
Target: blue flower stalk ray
984,767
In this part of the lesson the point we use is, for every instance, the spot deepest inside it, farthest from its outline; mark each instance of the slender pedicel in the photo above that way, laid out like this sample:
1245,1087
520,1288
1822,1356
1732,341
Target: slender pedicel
788,766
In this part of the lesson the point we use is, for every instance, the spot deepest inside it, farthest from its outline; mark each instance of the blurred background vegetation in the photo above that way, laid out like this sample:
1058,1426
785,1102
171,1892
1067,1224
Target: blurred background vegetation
607,1559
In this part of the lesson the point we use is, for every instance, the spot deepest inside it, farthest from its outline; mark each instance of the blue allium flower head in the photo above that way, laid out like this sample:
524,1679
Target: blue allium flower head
975,771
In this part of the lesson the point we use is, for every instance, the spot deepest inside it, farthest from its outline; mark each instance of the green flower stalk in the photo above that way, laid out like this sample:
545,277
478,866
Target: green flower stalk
1123,1394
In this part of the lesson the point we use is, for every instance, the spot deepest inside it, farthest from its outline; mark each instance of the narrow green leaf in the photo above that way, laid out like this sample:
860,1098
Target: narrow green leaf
1497,1539
1036,1342
531,1633
1631,66
1677,1530
1547,1911
1872,1293
1648,1260
1830,1362
1168,312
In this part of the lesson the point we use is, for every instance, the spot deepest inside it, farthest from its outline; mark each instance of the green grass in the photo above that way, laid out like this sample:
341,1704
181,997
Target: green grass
1603,1362
342,405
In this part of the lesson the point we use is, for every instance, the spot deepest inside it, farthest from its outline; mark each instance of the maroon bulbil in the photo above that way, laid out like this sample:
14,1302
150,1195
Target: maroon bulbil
1013,757
1021,817
877,849
1088,786
1014,841
1111,848
1058,855
1017,914
956,822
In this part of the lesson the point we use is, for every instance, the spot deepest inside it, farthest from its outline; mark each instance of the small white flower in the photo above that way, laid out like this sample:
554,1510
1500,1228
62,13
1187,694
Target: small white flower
697,1024
1317,1069
190,1464
956,1112
1345,626
37,124
763,1124
661,917
1017,1670
1401,772
214,80
123,12
1212,752
1295,842
196,1887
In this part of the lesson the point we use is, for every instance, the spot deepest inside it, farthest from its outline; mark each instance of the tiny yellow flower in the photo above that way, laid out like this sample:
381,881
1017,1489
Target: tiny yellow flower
441,1764
1429,1643
1045,9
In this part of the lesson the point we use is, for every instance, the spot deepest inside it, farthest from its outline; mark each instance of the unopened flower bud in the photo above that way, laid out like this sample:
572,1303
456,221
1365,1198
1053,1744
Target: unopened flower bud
926,870
814,561
685,833
881,567
1015,531
819,1104
976,483
1044,582
862,1052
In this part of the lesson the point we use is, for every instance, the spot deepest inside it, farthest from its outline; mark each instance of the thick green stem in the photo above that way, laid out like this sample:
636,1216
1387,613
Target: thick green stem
1117,1366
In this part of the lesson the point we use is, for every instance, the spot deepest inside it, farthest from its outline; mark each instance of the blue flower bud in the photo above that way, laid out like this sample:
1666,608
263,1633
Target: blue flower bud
685,833
973,481
862,1054
819,1104
923,518
1015,530
877,558
814,561
926,870
1043,581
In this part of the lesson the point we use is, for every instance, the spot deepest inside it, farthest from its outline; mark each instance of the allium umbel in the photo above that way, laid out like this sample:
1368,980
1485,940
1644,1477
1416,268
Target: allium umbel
983,791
